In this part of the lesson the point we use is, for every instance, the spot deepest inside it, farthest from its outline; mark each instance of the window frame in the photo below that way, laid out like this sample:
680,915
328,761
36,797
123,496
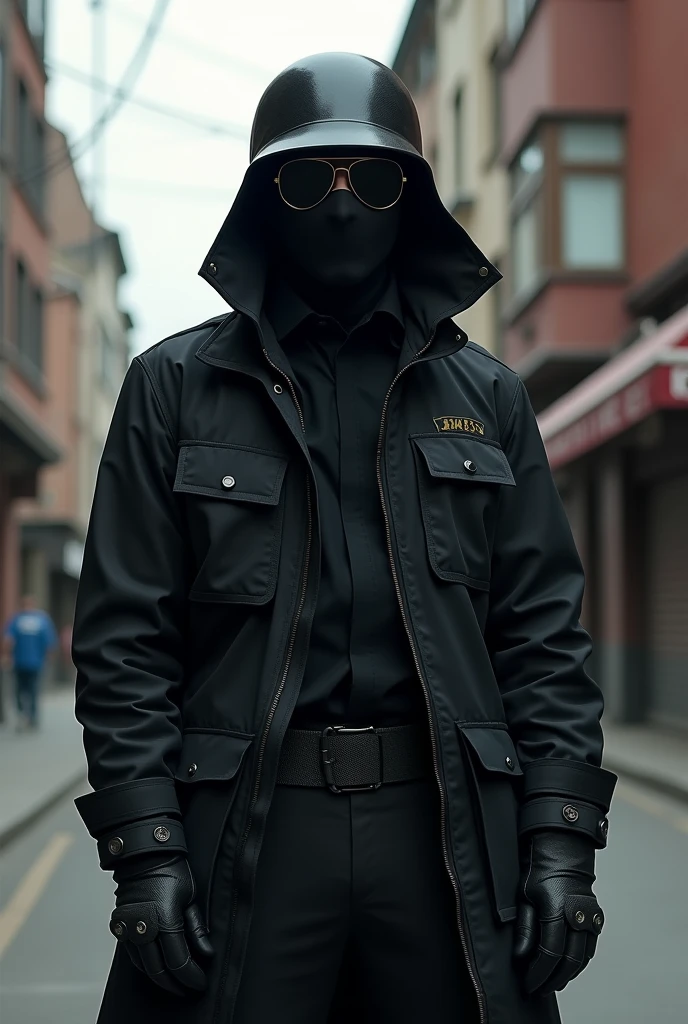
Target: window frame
560,170
548,185
459,168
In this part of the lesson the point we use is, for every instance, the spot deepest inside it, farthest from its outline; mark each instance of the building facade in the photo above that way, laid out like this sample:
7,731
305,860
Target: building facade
87,354
557,141
28,439
598,325
448,58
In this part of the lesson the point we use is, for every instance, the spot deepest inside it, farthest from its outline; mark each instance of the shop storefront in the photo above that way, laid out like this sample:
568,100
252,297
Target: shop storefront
618,445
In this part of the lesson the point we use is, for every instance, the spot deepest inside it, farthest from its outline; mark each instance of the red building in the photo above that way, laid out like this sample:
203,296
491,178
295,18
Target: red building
596,318
26,432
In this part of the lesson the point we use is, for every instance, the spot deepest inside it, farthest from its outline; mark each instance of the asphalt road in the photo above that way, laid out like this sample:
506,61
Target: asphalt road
55,903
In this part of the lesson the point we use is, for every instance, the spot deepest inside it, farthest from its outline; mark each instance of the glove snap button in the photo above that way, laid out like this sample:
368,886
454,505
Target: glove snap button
598,921
141,927
162,834
118,928
115,846
604,828
580,916
570,812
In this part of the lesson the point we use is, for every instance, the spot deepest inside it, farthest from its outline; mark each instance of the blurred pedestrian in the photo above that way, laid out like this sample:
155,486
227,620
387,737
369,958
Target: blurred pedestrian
29,640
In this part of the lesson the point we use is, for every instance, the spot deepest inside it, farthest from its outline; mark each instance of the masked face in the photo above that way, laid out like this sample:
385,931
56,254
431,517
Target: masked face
340,243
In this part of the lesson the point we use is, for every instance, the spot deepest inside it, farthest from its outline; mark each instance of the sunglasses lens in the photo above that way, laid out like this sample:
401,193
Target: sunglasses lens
305,182
377,183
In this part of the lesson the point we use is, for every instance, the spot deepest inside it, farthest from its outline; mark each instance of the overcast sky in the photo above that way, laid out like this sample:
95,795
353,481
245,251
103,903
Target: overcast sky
168,185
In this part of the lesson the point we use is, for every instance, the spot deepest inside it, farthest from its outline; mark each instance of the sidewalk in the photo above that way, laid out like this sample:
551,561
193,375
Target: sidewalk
36,769
656,758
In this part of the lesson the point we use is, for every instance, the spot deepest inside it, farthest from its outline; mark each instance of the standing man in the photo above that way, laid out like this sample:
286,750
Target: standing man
29,639
329,663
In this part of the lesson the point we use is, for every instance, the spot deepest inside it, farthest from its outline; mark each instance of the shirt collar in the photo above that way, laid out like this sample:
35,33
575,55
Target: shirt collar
287,311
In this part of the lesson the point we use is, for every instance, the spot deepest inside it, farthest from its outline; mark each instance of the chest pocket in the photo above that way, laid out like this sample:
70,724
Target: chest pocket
459,482
234,513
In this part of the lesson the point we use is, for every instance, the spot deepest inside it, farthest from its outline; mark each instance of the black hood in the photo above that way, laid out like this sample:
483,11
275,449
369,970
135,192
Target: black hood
346,104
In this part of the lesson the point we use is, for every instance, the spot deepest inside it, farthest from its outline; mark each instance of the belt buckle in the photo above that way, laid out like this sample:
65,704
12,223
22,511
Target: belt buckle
328,762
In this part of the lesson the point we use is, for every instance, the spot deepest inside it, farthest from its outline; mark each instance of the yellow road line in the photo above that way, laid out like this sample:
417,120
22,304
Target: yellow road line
31,888
652,805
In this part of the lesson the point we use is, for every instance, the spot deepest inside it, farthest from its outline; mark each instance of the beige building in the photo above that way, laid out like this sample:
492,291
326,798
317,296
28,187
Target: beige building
448,58
86,356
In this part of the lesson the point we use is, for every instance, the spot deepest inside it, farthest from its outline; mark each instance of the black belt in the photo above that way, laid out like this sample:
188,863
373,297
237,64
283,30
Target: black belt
349,759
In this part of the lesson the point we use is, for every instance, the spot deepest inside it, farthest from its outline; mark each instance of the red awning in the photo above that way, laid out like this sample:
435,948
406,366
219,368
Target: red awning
651,374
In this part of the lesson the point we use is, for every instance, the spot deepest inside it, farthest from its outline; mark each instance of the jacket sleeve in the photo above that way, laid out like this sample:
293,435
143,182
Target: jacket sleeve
128,636
537,645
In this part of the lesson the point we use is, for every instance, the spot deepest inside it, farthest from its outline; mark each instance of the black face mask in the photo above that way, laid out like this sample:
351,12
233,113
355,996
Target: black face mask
337,252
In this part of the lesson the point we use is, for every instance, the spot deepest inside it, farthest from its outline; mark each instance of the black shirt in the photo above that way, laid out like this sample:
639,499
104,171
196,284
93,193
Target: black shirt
359,669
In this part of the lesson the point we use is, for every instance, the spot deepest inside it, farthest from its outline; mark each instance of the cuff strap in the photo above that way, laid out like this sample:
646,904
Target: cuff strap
159,835
574,779
549,813
116,805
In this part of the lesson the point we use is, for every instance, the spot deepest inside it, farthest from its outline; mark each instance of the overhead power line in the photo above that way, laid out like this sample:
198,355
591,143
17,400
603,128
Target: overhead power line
175,113
188,46
123,93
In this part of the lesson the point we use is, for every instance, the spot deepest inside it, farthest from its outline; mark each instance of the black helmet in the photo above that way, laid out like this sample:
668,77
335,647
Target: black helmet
343,102
335,100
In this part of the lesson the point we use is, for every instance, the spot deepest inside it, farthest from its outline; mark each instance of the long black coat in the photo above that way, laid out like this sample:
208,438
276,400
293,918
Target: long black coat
196,600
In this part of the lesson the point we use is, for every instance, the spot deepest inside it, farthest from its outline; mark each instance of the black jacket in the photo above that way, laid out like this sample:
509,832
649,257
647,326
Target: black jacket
195,605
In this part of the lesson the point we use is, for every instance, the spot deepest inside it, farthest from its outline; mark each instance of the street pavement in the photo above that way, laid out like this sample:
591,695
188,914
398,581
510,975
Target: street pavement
55,903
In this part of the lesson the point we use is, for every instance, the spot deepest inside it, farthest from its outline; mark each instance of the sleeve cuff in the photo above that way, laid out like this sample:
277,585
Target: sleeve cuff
566,778
159,835
127,802
547,813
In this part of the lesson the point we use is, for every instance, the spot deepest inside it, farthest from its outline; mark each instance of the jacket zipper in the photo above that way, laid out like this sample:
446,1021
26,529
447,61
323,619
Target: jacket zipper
278,693
428,705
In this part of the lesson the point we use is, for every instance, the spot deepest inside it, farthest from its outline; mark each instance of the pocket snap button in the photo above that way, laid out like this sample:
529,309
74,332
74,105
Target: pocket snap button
192,769
470,466
228,481
509,764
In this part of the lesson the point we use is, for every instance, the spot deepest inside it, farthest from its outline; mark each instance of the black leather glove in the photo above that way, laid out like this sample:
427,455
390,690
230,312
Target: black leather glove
159,922
559,917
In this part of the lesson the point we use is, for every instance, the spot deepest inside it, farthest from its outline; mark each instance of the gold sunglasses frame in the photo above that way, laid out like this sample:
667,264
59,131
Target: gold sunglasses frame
323,160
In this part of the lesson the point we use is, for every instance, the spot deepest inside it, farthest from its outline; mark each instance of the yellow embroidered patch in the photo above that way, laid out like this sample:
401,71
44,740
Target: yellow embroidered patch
459,423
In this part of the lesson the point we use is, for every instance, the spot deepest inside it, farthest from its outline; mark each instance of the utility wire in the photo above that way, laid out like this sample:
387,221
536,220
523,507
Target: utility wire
175,113
188,46
122,94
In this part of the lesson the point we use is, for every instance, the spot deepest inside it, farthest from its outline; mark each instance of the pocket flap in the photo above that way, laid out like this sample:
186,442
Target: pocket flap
210,756
230,471
493,747
446,457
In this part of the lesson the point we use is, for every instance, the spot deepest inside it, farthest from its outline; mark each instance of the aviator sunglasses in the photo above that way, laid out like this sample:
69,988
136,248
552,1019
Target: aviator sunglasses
375,181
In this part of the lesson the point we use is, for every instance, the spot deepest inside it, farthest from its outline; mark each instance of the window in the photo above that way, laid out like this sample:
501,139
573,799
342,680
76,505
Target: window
23,131
109,363
496,103
526,218
459,142
2,93
28,318
567,203
30,149
592,196
517,14
427,62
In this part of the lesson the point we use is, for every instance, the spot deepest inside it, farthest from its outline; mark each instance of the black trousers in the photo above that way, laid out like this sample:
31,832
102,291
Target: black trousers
354,915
